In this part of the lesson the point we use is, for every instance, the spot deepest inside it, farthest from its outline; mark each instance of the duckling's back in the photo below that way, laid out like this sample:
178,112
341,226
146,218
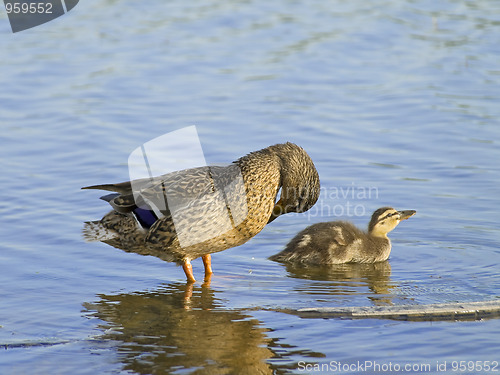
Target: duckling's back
324,243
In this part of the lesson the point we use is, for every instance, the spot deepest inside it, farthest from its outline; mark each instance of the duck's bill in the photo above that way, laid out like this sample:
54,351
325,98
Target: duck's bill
406,214
278,210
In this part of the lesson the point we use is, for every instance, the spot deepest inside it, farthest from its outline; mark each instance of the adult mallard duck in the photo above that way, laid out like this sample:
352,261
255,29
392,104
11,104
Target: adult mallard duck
192,213
340,242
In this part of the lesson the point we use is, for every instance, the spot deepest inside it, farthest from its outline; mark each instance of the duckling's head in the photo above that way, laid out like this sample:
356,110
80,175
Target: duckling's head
386,219
300,185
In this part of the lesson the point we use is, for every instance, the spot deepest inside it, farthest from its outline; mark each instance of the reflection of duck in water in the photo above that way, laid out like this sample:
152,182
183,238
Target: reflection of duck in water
341,242
187,328
215,208
358,280
154,332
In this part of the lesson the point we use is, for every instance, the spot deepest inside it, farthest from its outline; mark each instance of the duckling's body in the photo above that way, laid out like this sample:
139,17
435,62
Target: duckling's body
339,242
205,206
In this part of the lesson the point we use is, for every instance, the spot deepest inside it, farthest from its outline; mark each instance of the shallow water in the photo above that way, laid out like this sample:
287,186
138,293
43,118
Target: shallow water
396,103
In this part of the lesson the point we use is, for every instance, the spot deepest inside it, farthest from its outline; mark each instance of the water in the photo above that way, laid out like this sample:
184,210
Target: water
397,104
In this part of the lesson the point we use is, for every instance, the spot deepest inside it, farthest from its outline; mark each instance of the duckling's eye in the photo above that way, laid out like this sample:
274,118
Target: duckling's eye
385,217
381,220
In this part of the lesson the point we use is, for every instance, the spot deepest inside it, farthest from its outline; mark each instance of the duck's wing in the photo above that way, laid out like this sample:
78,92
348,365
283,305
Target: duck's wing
178,190
202,206
170,192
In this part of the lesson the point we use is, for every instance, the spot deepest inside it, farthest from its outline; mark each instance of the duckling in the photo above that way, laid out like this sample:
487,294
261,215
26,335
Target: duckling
217,210
339,242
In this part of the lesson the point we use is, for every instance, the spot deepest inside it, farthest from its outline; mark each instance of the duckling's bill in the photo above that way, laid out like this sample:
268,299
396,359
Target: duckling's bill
403,215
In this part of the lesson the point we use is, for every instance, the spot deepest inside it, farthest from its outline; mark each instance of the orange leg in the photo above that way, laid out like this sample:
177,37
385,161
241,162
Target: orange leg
188,270
207,263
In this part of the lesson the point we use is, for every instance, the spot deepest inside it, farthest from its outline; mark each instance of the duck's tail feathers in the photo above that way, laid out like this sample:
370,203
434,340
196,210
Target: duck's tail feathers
96,231
122,188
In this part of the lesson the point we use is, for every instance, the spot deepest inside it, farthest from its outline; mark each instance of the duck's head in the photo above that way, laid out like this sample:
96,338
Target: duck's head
299,180
386,219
